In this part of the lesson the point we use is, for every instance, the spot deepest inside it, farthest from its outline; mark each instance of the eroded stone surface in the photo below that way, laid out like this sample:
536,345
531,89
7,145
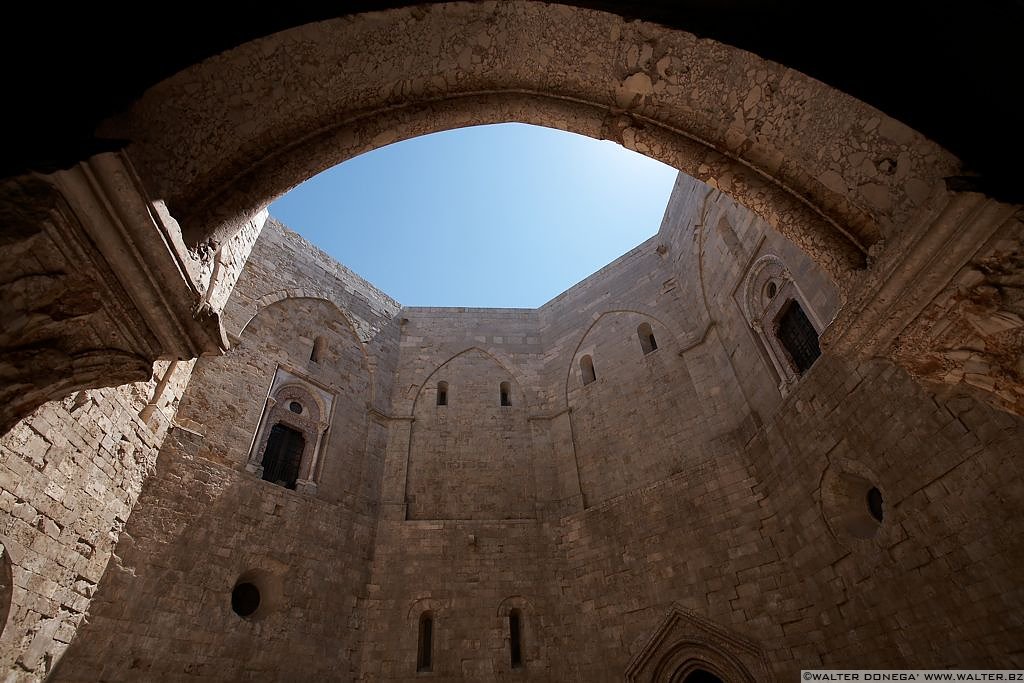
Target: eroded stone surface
680,479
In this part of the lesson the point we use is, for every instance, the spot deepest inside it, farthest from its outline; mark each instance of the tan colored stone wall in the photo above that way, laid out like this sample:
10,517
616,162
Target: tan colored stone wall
702,477
471,458
70,475
164,610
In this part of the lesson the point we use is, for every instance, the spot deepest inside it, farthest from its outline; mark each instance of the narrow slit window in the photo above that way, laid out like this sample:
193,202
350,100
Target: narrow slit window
425,647
283,456
515,635
587,369
442,393
506,394
647,342
798,336
319,348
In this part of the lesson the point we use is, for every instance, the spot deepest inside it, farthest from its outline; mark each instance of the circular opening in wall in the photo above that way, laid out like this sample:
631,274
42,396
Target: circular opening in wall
875,503
295,407
772,290
852,504
256,594
245,599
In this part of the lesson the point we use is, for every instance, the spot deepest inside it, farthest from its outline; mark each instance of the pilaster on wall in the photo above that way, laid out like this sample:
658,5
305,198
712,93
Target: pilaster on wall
396,466
98,284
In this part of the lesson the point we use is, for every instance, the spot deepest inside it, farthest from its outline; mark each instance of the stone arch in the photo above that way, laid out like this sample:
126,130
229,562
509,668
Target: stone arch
505,366
573,364
718,113
299,293
282,297
685,641
470,432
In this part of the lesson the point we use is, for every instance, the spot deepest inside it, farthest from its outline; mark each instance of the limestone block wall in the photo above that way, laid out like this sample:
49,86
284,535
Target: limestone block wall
237,386
714,243
468,575
70,475
471,458
704,479
165,608
936,583
758,543
283,265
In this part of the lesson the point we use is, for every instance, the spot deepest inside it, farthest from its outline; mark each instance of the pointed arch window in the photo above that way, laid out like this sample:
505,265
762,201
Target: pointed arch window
587,369
505,391
646,335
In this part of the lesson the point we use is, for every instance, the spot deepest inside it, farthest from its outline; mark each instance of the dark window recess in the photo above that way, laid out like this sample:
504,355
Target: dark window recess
506,394
647,342
245,599
798,336
319,346
295,407
587,369
875,503
702,676
425,647
283,456
515,633
6,585
442,393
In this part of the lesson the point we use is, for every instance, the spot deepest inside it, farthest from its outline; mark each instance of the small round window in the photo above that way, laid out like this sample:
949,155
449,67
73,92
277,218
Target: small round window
772,290
245,599
295,407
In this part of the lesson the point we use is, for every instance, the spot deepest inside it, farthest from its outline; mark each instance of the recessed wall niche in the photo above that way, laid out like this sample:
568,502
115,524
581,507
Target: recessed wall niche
256,593
853,505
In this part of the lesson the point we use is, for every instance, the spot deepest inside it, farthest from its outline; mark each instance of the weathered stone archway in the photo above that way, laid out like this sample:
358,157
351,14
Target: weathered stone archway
861,193
220,139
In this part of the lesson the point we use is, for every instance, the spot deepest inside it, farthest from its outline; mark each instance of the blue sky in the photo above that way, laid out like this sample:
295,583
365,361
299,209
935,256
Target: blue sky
506,215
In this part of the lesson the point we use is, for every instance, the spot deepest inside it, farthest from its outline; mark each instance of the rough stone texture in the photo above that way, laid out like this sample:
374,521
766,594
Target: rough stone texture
70,475
830,172
681,482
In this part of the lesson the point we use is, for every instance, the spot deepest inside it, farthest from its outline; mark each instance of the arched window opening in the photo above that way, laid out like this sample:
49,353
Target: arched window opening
587,369
425,646
798,336
506,394
875,504
442,393
702,676
6,585
515,635
646,334
319,348
283,455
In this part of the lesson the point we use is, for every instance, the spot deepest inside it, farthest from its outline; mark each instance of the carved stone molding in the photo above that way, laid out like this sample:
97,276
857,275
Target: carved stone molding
945,301
686,642
972,333
95,285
